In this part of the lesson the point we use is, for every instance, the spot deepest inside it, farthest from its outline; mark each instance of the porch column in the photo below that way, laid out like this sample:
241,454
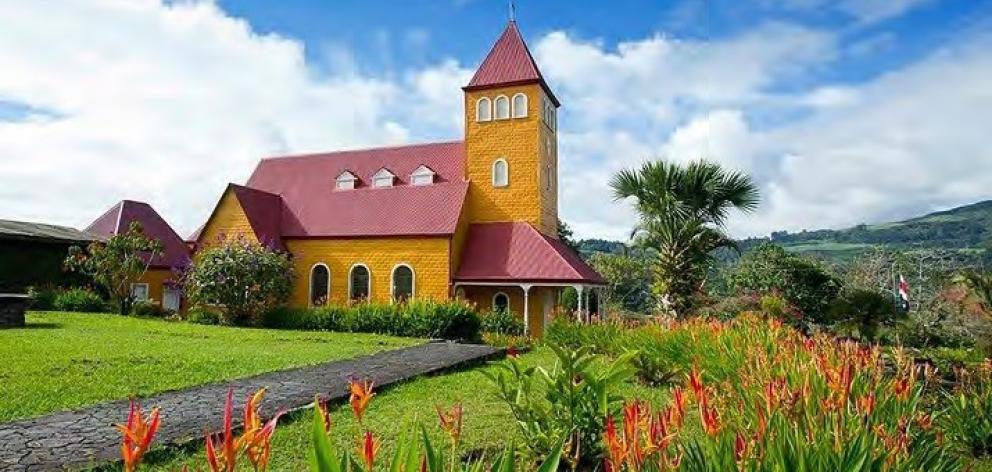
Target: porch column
578,308
526,288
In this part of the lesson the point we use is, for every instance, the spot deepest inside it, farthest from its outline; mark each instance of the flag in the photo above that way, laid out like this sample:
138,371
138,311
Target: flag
903,293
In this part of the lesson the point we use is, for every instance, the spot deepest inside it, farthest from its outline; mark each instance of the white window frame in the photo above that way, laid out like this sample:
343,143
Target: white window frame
496,295
351,272
327,295
480,107
392,281
496,102
506,165
148,293
345,181
518,110
422,172
381,175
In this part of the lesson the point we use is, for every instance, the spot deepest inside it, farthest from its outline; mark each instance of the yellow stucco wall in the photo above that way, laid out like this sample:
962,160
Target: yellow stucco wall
155,278
228,220
428,257
519,141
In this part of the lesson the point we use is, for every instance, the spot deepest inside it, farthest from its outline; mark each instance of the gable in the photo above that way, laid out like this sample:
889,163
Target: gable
227,221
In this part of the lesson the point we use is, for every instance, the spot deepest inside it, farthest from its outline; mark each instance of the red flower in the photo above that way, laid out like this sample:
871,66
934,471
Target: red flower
138,435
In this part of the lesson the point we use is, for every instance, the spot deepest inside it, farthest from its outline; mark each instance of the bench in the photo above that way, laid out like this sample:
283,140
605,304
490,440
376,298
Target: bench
12,308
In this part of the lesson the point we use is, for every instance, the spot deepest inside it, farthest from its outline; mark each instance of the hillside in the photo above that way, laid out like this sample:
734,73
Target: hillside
967,229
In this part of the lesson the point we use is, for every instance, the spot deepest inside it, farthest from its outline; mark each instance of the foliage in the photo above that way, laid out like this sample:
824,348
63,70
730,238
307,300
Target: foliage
980,284
566,403
682,211
566,235
502,322
417,318
727,308
147,309
204,315
42,297
866,311
244,278
803,282
116,263
78,299
968,418
629,280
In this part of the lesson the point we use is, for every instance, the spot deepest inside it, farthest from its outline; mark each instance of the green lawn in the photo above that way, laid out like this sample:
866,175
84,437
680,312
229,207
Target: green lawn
68,360
488,425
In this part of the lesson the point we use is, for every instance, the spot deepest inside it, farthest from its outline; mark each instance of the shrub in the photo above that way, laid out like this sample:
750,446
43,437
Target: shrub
147,309
78,299
502,322
968,418
204,315
727,308
602,337
42,298
864,310
246,278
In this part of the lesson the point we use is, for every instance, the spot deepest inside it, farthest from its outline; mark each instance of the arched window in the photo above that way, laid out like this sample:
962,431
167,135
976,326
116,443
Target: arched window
501,302
520,106
501,173
320,284
403,283
502,107
483,109
359,283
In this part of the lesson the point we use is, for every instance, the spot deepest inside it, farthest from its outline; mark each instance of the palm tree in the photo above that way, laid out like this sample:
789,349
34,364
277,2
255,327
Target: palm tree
682,212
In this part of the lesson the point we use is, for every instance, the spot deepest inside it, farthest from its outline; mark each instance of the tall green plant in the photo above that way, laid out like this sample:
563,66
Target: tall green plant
682,212
116,263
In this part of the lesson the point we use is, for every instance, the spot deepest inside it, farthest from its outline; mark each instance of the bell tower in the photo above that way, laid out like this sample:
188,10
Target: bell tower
511,143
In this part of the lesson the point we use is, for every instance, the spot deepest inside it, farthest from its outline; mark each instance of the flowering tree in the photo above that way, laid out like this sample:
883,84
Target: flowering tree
117,262
243,277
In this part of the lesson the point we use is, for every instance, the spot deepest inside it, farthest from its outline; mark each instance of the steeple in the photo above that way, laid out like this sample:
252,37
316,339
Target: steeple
509,63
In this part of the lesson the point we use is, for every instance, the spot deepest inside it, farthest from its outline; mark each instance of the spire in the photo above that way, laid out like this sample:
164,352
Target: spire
509,62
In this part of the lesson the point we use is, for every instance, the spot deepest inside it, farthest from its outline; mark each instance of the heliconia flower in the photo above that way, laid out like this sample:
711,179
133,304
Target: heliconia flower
324,413
259,446
451,421
866,404
138,434
222,452
369,449
901,388
740,447
616,449
696,382
924,421
710,417
361,395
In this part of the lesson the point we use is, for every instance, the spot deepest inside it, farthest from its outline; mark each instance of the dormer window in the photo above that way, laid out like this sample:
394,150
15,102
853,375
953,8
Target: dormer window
383,178
345,181
422,176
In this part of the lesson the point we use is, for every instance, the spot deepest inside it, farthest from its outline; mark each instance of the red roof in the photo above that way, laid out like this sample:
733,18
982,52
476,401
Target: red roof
517,252
118,219
312,207
264,212
509,62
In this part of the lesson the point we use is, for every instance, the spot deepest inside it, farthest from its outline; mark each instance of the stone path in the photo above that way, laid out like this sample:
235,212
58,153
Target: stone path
86,437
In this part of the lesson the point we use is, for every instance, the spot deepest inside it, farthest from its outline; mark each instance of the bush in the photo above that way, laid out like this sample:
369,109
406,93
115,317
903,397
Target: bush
502,322
968,418
79,299
204,316
147,309
864,311
422,319
42,298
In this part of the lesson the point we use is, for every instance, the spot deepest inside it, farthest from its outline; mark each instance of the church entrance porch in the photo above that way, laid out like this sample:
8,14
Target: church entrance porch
532,303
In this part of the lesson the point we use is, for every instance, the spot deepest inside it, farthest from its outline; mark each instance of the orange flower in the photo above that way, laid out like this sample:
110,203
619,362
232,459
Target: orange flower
451,422
616,448
740,447
710,417
901,388
696,382
678,398
361,395
138,435
369,449
222,452
324,412
866,404
257,438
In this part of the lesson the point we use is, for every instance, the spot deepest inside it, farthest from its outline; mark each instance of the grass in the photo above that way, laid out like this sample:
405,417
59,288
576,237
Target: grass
488,425
69,360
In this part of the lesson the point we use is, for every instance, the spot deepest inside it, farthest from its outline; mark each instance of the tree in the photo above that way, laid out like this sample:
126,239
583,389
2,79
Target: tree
865,310
243,277
116,263
565,235
682,211
980,285
628,281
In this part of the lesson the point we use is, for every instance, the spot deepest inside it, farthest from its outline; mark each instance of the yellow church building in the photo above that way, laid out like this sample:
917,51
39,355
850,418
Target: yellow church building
474,219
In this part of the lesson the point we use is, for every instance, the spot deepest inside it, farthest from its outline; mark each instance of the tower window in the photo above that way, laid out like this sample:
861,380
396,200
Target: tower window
483,109
502,107
520,106
402,283
422,176
345,181
359,283
383,178
501,302
501,173
320,284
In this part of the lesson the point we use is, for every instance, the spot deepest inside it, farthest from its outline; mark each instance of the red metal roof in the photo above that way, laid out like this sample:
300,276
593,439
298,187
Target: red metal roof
509,62
118,219
313,208
517,252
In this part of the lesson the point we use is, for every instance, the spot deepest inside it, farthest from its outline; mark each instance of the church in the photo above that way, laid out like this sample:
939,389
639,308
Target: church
474,219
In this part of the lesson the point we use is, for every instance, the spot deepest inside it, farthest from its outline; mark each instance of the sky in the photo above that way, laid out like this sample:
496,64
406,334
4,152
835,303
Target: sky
843,111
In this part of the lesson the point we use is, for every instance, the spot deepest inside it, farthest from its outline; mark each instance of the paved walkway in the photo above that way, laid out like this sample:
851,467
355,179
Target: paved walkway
85,437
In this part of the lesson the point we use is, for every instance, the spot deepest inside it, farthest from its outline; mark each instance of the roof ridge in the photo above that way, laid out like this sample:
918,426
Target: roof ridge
355,150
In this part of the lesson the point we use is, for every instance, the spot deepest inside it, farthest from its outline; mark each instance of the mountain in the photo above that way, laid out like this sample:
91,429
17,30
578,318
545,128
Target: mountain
966,229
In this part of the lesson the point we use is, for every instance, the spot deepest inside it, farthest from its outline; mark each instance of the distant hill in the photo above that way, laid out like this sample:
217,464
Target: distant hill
967,229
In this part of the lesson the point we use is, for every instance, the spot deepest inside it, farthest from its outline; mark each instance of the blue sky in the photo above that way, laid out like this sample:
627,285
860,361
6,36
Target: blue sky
844,111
